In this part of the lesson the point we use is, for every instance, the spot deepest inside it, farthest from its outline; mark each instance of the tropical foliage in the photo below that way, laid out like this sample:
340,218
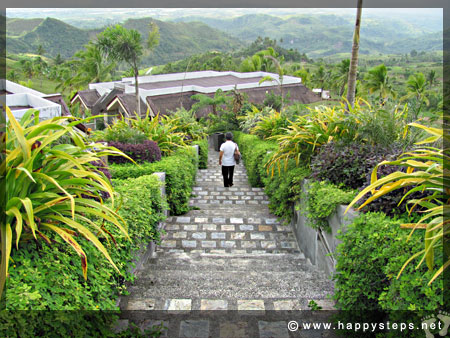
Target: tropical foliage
52,187
424,172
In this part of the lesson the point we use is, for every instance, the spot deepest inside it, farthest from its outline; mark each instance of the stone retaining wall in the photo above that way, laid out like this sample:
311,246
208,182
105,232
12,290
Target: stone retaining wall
319,246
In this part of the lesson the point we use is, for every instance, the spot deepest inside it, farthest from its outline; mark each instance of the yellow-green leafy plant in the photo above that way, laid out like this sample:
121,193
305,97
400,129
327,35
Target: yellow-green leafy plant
271,125
306,134
52,187
160,131
426,171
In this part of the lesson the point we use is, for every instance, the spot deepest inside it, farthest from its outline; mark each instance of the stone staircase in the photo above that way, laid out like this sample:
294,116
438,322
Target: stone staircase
228,253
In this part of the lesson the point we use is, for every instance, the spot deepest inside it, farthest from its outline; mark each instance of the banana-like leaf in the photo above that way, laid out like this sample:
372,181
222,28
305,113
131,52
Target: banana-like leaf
66,236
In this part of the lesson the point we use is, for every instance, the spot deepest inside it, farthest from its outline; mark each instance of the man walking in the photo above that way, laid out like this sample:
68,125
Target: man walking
226,159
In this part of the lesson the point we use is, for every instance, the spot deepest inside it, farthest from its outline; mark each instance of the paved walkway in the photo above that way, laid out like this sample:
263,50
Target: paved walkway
229,253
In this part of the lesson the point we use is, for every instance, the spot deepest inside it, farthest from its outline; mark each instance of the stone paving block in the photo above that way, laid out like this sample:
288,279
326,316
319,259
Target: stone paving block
240,202
268,245
203,193
228,244
214,202
257,235
221,197
218,251
227,227
238,235
228,202
200,219
190,227
178,305
236,220
218,220
259,252
233,197
258,198
265,228
273,329
233,330
176,250
181,234
254,220
288,245
246,227
248,245
194,329
189,244
209,227
168,244
199,235
141,304
253,202
238,251
250,193
170,227
218,235
239,193
286,305
252,305
183,219
202,201
208,244
213,304
271,220
149,323
325,304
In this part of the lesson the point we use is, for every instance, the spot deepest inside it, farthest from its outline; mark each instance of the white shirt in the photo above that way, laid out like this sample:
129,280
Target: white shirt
228,153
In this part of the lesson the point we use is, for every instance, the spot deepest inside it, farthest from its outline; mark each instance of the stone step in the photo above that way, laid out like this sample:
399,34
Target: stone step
246,190
201,203
235,281
249,210
256,220
229,262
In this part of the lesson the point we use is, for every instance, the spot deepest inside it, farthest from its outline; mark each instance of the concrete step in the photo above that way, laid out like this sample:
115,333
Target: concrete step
230,277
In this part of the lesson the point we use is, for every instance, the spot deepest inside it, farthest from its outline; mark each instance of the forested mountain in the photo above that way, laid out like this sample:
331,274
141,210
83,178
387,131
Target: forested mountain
324,35
178,39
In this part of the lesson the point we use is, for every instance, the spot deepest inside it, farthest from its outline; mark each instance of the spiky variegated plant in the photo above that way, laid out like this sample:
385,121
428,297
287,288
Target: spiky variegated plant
426,170
48,185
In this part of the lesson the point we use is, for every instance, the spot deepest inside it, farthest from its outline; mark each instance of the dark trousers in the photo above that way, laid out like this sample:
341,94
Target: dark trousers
227,173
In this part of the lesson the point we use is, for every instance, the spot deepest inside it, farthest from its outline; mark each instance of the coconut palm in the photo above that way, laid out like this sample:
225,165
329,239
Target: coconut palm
123,45
431,77
354,60
251,64
340,77
377,81
91,67
417,88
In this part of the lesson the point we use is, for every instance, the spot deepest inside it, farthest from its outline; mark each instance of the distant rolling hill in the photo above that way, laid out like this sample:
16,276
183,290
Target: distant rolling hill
327,34
178,39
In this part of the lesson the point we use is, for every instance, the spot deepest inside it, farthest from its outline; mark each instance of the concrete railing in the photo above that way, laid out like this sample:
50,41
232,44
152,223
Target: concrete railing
318,245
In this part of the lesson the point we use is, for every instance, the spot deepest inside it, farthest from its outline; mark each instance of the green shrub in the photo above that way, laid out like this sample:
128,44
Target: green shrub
203,153
51,186
284,189
180,170
322,199
369,258
254,151
49,276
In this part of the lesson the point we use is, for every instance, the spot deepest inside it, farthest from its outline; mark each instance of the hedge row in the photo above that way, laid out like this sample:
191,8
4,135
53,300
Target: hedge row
373,250
49,276
180,170
203,153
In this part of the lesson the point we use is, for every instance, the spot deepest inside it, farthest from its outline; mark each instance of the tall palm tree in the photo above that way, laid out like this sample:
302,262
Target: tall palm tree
377,81
123,45
354,60
417,88
91,67
431,77
340,78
